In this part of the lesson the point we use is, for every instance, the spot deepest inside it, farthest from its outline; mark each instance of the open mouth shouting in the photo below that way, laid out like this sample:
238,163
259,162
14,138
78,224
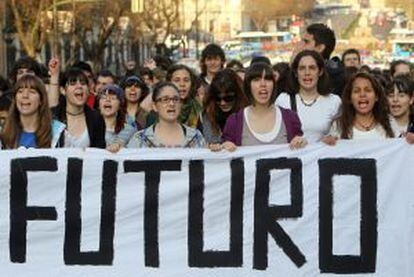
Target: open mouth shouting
364,106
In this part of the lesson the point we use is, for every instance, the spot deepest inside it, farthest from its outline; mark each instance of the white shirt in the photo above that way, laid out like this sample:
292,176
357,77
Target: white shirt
77,142
375,133
269,136
316,119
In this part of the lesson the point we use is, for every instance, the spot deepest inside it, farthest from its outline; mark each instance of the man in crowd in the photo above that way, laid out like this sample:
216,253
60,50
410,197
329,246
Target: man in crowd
351,58
321,38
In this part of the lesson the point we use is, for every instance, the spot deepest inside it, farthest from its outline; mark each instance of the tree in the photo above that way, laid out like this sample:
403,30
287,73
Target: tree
27,16
93,24
261,11
157,21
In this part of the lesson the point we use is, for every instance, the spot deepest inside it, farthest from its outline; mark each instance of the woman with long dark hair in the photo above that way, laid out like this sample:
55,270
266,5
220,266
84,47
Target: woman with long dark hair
225,97
400,96
309,95
364,111
30,123
262,122
183,77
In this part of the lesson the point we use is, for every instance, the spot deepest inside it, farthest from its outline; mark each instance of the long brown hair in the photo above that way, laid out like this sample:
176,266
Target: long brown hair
224,82
13,128
380,110
323,79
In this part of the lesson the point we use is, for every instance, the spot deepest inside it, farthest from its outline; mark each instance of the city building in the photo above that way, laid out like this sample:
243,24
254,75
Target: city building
218,20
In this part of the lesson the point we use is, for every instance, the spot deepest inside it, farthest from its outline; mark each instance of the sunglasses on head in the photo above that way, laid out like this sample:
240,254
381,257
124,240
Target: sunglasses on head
227,98
131,83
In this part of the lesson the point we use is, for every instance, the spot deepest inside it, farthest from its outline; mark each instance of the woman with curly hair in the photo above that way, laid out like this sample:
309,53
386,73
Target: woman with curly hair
183,77
30,124
225,97
364,112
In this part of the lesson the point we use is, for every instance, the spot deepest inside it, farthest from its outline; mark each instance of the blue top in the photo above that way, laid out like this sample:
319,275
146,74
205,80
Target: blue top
27,140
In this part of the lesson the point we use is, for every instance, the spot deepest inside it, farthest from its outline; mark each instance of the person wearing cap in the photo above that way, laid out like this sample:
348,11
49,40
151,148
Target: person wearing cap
135,92
111,104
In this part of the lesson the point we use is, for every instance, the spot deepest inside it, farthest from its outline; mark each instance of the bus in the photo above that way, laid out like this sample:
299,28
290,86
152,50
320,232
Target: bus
261,41
403,49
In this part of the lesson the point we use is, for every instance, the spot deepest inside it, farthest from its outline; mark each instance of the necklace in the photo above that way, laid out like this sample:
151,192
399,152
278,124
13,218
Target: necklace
308,104
75,114
366,127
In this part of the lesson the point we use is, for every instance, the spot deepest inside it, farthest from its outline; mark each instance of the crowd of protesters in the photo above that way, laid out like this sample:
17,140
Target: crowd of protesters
314,98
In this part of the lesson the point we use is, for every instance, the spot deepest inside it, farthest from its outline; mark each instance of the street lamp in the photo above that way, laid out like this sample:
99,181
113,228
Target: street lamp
9,33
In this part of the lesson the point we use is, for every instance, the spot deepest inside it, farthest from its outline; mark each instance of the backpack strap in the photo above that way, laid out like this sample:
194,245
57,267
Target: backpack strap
293,105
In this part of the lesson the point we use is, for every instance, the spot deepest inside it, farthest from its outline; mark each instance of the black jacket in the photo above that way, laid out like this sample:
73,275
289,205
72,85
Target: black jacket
94,122
336,74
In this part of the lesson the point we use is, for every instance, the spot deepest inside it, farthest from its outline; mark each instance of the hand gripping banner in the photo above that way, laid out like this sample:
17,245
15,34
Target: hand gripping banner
346,210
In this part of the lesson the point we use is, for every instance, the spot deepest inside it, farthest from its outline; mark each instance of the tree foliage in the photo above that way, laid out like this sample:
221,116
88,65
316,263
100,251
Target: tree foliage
158,20
27,16
92,23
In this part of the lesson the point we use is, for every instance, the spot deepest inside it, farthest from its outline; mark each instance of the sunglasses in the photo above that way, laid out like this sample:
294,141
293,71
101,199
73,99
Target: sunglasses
81,81
227,98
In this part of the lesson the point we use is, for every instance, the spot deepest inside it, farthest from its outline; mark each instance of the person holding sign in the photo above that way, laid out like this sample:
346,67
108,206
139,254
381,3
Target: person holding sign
30,124
168,131
262,122
84,127
364,112
225,97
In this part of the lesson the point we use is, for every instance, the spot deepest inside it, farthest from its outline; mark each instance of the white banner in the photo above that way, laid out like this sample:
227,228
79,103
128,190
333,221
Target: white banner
346,210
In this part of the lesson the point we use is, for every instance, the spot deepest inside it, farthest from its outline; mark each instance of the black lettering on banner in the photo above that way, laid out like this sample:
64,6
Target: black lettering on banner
265,215
348,264
20,213
73,221
196,256
152,171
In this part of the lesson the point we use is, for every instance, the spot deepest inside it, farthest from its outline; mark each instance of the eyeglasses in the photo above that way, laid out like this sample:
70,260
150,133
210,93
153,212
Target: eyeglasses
108,96
227,99
81,81
166,100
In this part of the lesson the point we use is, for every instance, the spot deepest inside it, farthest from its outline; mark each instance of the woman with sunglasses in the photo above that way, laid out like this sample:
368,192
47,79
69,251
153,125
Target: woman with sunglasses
315,106
85,127
225,98
112,107
262,122
168,131
135,92
185,80
30,124
364,112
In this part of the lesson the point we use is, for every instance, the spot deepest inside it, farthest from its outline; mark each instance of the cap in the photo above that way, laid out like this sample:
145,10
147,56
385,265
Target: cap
114,89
